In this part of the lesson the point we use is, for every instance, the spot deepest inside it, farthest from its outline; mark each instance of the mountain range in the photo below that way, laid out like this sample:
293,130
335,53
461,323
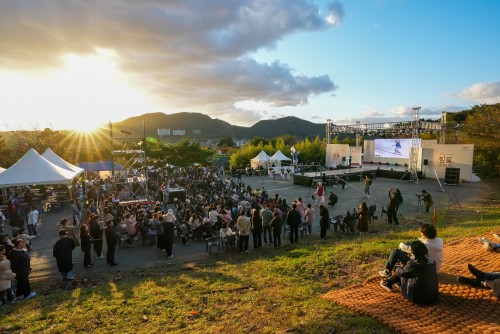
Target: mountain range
198,125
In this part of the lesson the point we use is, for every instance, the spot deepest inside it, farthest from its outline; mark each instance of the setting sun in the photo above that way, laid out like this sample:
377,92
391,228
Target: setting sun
82,95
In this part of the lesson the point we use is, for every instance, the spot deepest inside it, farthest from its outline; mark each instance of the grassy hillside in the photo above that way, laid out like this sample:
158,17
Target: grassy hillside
267,291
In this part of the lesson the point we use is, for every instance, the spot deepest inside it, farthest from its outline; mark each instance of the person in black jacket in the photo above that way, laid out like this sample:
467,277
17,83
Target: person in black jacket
276,223
112,239
418,278
324,220
96,234
62,251
86,245
293,220
21,266
168,227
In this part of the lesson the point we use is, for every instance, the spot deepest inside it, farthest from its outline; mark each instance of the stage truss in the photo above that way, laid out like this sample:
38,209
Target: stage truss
134,179
413,128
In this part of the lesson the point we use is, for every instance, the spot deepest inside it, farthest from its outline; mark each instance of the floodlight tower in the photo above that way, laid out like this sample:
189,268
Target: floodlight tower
415,144
328,133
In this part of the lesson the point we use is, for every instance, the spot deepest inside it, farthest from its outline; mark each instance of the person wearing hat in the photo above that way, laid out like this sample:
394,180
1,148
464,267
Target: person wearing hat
427,198
21,266
63,252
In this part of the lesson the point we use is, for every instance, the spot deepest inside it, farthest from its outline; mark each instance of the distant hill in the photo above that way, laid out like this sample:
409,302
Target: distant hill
202,126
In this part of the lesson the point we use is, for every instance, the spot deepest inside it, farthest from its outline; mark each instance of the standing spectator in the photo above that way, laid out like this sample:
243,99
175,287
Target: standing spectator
324,220
63,250
70,230
309,217
300,208
168,227
363,218
2,222
267,216
320,194
256,227
32,221
243,225
112,239
6,277
392,207
75,209
368,183
276,224
21,266
427,198
293,220
323,181
86,245
96,234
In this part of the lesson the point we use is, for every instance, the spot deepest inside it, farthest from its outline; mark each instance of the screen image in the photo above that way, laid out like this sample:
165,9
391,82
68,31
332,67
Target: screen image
392,148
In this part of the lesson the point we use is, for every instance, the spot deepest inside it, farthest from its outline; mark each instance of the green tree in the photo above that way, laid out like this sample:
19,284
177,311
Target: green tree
226,142
186,153
482,128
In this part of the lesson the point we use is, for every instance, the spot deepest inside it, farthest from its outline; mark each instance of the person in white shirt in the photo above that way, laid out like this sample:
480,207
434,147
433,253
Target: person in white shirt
434,246
33,216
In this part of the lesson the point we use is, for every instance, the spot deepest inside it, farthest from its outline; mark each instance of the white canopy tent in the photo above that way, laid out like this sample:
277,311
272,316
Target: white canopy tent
33,169
58,161
262,159
2,169
279,157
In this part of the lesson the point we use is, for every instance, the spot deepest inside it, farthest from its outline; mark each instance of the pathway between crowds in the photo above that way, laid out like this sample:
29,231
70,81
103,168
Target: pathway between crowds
44,265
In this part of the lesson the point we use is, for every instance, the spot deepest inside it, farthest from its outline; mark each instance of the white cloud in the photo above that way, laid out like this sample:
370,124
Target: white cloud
335,14
371,112
482,92
192,54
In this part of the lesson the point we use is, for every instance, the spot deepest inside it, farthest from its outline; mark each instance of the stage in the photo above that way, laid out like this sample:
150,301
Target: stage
354,174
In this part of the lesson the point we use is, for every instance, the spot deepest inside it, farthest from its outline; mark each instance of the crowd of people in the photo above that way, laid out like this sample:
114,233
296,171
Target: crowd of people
214,205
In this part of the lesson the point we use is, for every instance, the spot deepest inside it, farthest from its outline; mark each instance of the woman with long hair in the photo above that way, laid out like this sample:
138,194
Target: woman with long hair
86,242
418,278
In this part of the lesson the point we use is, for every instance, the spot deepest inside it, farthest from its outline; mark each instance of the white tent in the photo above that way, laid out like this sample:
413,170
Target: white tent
2,169
33,169
262,159
58,161
279,156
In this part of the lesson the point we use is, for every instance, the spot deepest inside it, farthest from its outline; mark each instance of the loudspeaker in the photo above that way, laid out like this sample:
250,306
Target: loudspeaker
452,176
426,162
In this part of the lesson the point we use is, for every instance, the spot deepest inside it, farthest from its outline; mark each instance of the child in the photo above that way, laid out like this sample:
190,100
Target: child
6,277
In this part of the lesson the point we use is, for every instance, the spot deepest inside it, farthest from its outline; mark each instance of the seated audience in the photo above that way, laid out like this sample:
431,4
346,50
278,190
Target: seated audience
401,255
418,279
489,280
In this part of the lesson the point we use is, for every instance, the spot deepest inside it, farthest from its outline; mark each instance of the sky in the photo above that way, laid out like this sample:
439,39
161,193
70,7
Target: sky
78,64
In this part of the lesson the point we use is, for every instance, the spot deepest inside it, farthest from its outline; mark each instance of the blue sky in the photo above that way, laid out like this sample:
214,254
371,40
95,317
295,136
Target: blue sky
77,64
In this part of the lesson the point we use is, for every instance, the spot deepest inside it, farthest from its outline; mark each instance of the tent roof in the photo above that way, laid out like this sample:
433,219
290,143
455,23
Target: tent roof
279,156
98,166
262,156
33,169
2,169
58,161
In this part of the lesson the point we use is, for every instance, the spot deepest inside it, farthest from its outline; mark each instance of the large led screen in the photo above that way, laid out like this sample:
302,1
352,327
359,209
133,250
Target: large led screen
393,148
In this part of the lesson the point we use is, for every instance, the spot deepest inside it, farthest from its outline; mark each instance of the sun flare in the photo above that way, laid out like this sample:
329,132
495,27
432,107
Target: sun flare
82,94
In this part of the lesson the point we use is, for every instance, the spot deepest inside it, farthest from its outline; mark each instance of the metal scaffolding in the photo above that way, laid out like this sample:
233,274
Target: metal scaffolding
412,128
133,181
